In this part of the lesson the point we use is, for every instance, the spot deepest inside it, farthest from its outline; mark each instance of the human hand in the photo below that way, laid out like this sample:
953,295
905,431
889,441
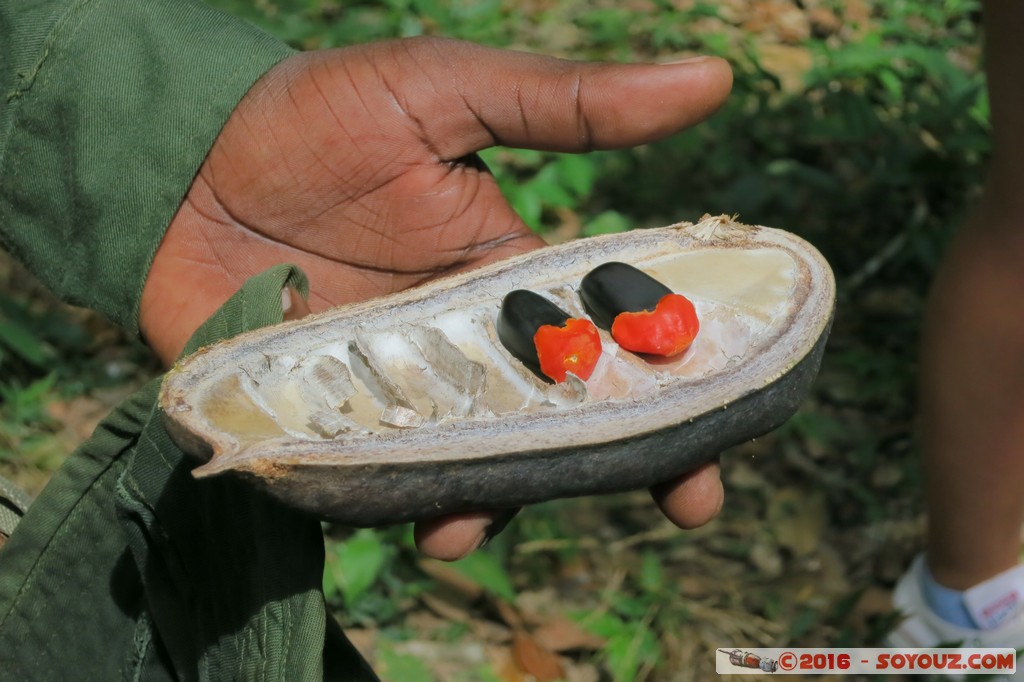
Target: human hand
356,165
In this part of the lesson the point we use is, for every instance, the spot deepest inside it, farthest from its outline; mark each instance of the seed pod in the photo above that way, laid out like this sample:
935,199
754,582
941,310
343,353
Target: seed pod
444,420
545,338
643,315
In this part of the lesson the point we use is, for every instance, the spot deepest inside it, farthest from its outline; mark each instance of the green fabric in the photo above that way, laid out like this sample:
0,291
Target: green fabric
107,110
13,504
126,567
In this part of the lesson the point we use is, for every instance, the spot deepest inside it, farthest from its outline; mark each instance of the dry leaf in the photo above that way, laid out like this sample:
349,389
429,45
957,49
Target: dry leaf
365,641
766,560
504,666
535,660
446,609
874,602
538,606
824,21
79,416
450,578
509,614
561,634
797,518
886,476
489,631
581,672
788,63
743,476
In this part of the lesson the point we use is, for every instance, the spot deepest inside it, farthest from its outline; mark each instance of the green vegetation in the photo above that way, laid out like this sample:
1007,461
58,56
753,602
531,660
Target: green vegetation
860,125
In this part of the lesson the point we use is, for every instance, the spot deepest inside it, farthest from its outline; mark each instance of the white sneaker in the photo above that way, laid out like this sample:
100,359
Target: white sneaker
922,627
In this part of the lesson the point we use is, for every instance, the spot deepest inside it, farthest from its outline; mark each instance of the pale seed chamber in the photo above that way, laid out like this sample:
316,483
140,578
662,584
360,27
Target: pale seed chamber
408,406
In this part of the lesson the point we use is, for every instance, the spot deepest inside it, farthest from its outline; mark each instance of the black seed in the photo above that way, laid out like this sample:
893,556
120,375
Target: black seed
522,314
615,288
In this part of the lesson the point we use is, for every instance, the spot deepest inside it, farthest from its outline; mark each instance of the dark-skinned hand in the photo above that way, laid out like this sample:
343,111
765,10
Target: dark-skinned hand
356,165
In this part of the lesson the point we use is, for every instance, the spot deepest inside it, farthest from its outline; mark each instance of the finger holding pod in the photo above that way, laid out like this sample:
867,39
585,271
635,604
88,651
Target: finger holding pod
642,314
547,339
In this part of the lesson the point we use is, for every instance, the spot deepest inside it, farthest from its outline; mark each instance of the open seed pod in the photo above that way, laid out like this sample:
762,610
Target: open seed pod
408,406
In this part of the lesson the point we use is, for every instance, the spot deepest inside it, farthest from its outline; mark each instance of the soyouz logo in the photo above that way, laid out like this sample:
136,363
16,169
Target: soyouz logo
745,661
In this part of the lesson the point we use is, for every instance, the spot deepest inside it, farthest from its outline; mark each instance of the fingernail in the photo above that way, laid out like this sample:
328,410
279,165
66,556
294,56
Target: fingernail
479,542
501,520
286,300
686,60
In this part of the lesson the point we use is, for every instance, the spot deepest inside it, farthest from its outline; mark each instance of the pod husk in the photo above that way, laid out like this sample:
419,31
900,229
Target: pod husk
489,453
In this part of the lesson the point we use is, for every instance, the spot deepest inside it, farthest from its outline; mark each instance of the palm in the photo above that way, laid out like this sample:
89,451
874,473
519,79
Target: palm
361,201
353,180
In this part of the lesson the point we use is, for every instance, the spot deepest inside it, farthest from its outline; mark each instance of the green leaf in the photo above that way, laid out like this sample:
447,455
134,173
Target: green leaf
22,341
625,653
332,592
604,624
806,621
487,571
24,405
525,158
429,8
631,607
577,173
652,577
527,204
628,643
607,222
552,196
891,82
483,673
36,392
980,110
356,564
399,667
410,27
821,427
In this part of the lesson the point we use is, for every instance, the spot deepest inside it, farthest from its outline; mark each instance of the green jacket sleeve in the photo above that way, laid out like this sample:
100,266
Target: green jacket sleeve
126,567
107,110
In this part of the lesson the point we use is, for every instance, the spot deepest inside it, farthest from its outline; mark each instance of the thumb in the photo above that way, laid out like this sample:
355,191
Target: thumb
466,97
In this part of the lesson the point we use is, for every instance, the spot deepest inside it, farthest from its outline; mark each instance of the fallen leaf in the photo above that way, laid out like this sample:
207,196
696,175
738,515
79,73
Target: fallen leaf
428,625
797,519
447,576
504,666
742,476
788,63
449,610
509,614
874,602
78,417
465,653
561,634
537,606
365,641
766,560
489,631
886,475
581,672
824,21
535,660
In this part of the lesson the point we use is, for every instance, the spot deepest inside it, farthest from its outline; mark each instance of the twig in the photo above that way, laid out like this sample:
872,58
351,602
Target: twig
664,532
889,251
555,545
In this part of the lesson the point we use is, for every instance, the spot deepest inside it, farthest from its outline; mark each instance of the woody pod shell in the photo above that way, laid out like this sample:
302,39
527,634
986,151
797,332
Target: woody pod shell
408,407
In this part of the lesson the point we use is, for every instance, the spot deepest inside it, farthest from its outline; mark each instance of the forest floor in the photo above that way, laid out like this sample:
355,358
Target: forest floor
821,516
